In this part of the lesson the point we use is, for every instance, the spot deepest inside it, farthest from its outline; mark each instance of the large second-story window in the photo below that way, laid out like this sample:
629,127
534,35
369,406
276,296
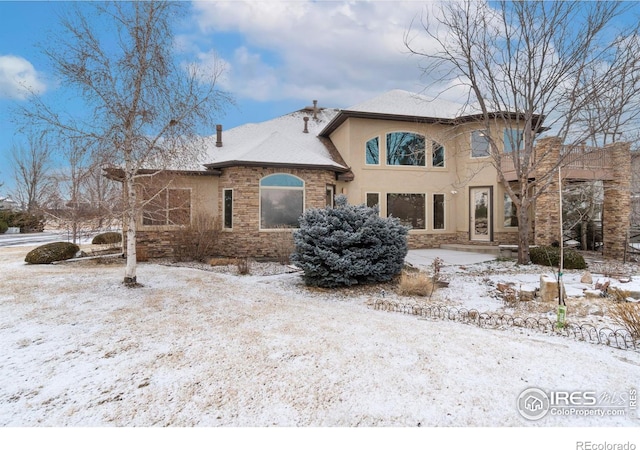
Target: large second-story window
372,151
281,201
437,154
405,149
513,140
479,144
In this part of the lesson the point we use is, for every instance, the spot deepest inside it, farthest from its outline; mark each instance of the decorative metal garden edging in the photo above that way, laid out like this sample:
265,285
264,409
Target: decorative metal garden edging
619,338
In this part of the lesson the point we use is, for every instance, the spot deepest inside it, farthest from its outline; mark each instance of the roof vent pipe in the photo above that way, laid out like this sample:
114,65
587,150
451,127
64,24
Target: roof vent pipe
306,122
315,110
218,135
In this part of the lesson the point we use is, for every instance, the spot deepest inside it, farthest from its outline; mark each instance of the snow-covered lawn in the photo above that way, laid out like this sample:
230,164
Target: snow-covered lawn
195,347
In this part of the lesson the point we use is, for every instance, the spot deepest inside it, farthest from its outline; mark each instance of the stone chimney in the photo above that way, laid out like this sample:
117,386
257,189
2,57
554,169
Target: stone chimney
306,123
218,135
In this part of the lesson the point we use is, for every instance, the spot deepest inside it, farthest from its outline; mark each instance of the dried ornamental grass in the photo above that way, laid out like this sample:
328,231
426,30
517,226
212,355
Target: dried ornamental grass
627,315
416,284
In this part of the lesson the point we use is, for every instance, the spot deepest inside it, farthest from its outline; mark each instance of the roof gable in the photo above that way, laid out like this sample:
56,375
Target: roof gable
403,105
279,142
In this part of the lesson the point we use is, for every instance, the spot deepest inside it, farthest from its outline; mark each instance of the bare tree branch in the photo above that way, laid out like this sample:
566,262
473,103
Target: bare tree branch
145,109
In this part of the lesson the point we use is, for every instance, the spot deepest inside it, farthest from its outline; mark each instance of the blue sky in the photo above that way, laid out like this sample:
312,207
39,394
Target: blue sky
278,55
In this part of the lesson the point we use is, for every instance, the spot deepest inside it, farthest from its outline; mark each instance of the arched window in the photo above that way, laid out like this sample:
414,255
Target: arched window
281,201
405,149
372,151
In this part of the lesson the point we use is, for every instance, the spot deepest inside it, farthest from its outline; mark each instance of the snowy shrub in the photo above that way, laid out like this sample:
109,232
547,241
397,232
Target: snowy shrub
55,251
348,244
550,256
110,237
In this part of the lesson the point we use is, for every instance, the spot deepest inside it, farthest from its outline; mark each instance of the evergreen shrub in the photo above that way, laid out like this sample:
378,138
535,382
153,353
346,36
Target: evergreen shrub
348,244
55,251
110,237
550,256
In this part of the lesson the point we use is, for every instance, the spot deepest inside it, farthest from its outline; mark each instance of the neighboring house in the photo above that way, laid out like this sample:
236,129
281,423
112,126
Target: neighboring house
424,161
6,204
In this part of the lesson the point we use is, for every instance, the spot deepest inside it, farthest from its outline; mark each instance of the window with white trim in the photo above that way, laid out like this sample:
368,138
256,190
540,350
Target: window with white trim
372,151
438,211
409,208
513,139
227,208
169,206
281,201
479,144
405,149
510,212
372,199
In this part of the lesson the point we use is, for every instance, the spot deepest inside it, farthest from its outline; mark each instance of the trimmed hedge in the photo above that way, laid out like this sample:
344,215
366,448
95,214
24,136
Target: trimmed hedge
110,237
55,251
550,256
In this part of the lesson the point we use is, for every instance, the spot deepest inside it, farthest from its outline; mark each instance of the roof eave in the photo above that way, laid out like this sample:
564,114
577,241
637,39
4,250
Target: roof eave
236,163
343,115
117,174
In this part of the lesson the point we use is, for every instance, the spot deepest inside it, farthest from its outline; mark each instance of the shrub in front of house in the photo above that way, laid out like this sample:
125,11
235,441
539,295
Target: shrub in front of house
110,237
550,256
55,251
348,244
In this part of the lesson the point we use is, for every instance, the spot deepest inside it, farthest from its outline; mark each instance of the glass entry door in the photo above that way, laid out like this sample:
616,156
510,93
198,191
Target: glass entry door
480,199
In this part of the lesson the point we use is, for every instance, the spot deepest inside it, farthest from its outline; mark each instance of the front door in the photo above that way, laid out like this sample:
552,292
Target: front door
480,206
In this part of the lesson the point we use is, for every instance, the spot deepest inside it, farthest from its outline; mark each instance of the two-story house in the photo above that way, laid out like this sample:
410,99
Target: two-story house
422,160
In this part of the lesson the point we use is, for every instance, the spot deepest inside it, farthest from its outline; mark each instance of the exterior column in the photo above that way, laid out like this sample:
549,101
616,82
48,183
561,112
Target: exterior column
547,214
616,208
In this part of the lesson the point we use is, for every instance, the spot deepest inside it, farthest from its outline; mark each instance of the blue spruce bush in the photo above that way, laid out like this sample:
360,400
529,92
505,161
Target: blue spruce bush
348,244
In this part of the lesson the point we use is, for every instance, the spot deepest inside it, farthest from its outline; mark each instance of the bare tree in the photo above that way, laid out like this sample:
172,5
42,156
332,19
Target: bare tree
524,66
31,164
146,107
67,203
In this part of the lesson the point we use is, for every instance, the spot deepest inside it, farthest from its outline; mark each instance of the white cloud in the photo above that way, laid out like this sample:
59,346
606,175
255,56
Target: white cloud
338,52
18,78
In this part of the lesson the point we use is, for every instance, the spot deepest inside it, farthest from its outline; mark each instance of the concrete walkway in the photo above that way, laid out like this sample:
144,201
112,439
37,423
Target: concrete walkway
424,258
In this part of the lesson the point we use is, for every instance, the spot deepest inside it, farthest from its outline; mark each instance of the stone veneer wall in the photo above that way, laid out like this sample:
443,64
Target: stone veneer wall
155,244
616,208
547,205
431,240
246,239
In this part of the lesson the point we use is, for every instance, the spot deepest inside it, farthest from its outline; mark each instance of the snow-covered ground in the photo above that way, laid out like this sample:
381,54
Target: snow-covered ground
195,347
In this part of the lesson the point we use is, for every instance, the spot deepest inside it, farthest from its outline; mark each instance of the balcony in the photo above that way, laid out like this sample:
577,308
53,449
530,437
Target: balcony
579,163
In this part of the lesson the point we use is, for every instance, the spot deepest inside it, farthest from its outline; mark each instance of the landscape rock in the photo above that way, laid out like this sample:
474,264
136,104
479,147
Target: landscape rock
548,288
586,278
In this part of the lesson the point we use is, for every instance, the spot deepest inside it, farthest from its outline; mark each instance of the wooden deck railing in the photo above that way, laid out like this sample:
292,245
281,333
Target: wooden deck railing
579,162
